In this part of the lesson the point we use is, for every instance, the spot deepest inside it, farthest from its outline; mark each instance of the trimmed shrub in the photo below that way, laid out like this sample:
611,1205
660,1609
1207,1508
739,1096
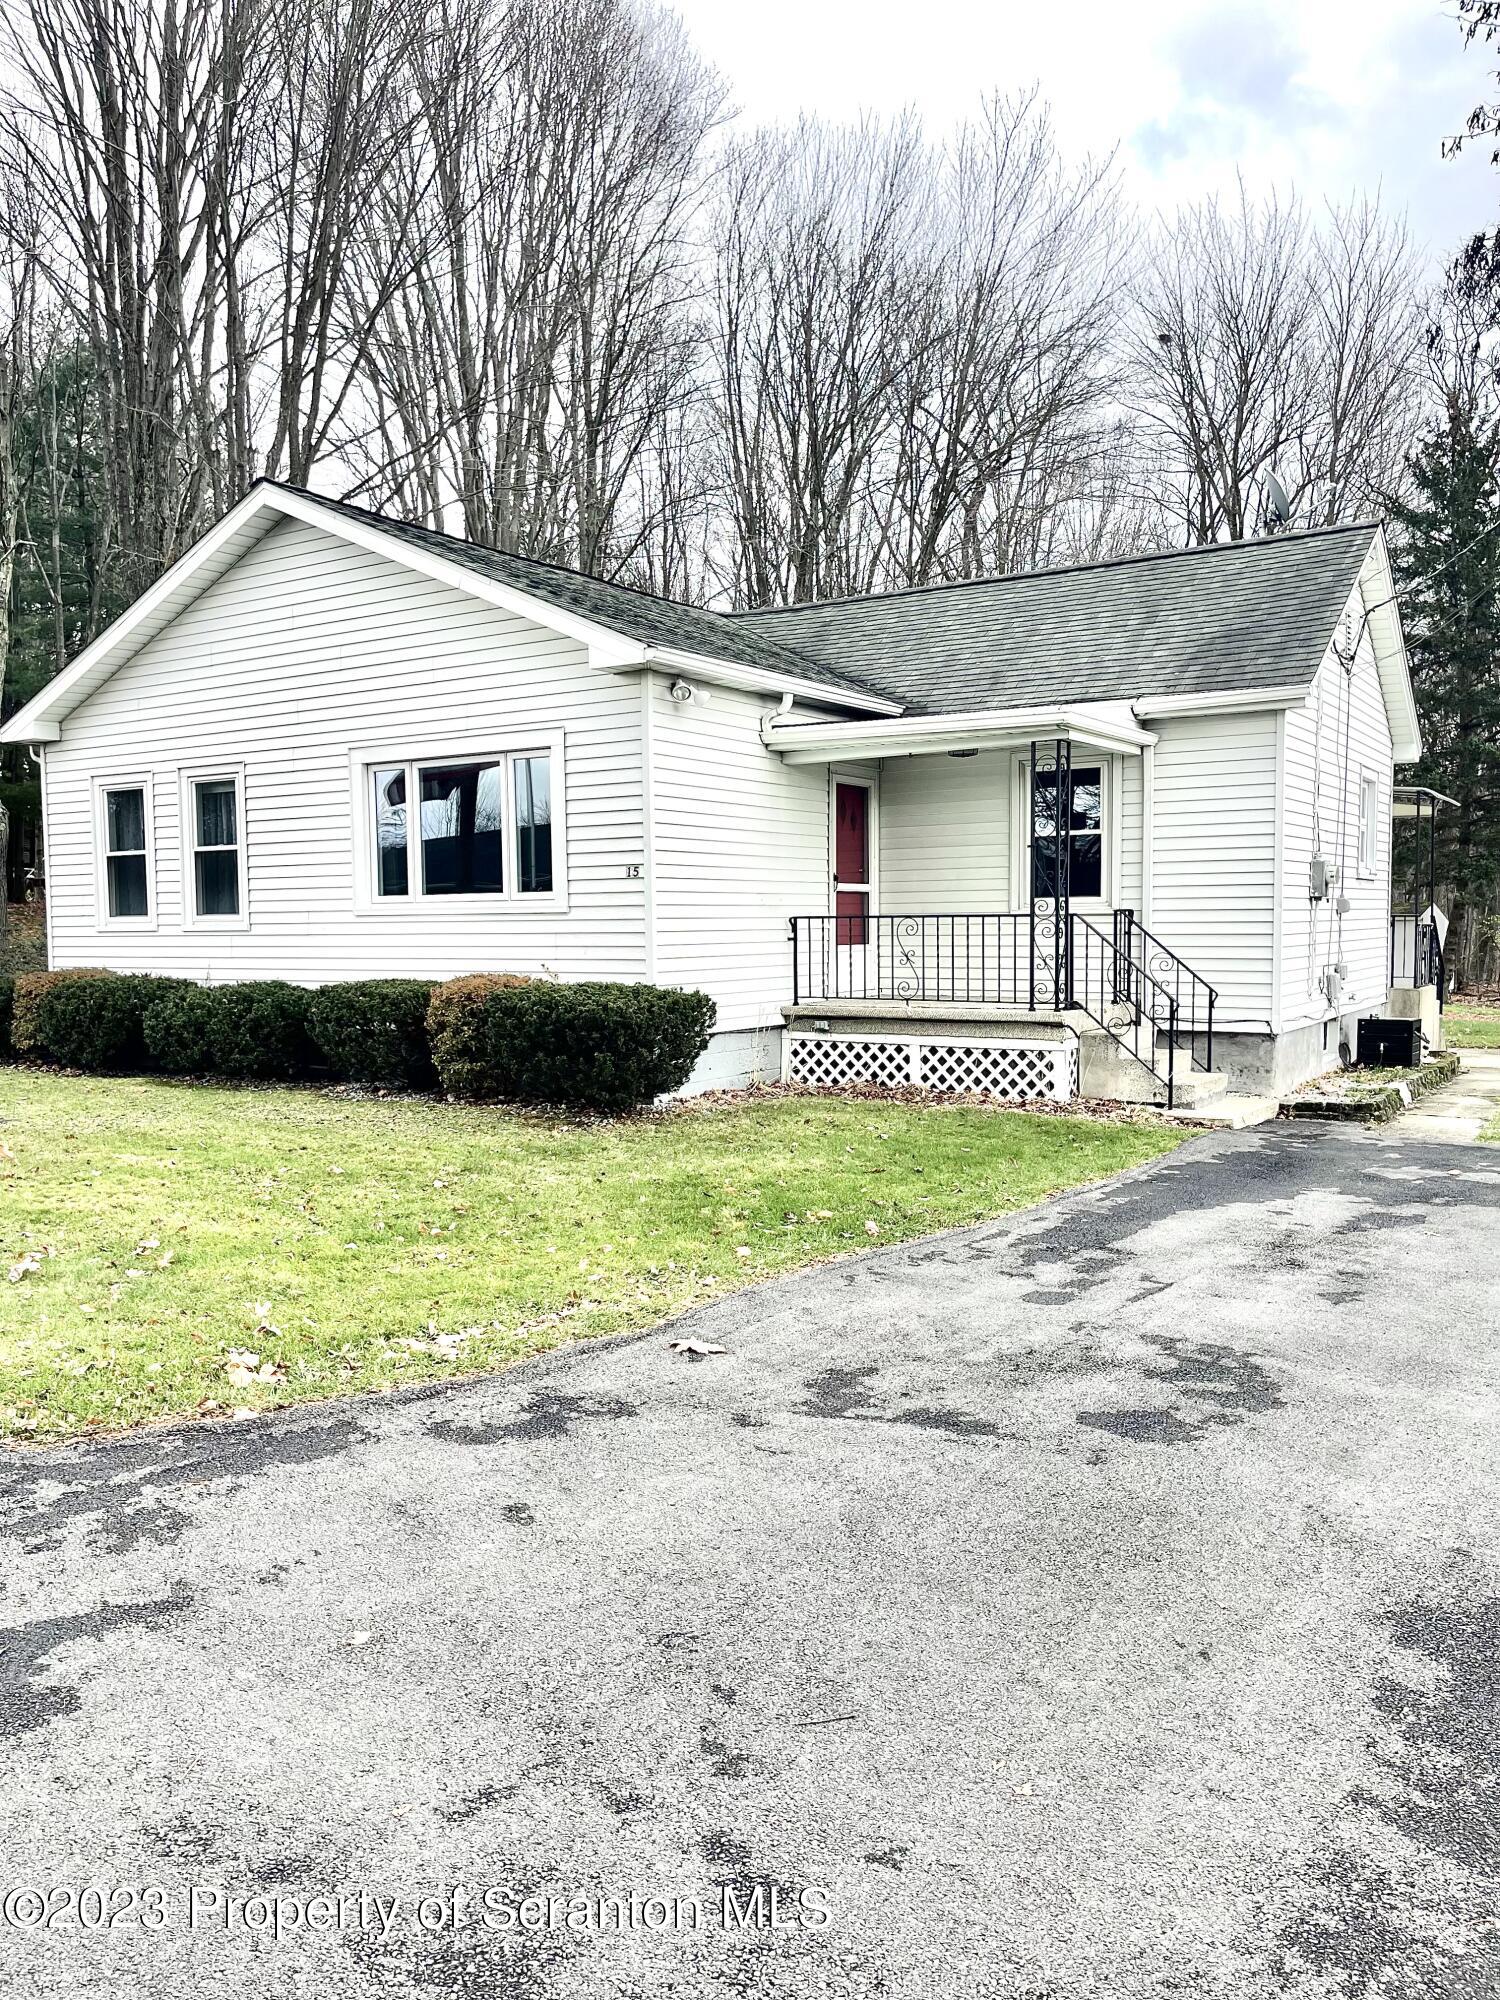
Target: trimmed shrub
458,1034
97,1023
177,1028
30,990
375,1031
259,1028
7,1002
601,1045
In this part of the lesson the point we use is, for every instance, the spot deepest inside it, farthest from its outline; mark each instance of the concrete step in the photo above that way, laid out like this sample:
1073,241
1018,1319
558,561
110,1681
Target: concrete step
1108,1069
1195,1089
1231,1113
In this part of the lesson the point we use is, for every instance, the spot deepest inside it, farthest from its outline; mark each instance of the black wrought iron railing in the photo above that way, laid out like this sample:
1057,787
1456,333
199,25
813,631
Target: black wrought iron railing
984,961
1134,1008
1139,951
1154,1005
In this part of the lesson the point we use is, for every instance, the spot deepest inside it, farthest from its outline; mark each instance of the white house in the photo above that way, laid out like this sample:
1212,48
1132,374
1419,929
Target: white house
838,819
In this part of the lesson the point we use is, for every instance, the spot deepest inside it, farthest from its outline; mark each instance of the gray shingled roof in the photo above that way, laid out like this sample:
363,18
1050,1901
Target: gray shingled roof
633,613
1234,616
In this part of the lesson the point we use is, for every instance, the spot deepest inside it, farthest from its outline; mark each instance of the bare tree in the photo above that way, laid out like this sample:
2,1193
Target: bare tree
1260,344
1001,424
525,366
20,259
816,293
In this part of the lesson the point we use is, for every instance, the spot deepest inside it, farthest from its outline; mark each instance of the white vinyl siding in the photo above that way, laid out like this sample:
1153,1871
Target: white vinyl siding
945,835
1213,857
952,834
740,845
1339,738
307,649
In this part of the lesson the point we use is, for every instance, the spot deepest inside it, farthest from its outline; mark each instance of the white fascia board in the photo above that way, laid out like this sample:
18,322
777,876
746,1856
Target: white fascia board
1104,726
1226,701
769,680
1392,662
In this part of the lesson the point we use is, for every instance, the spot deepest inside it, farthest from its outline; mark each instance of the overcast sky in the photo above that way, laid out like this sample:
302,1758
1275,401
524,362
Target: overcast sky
1331,96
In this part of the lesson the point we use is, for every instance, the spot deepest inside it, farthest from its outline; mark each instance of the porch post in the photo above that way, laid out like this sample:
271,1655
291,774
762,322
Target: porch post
1050,925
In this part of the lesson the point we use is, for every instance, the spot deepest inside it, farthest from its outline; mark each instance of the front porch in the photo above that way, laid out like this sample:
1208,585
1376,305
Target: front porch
1020,991
1036,1003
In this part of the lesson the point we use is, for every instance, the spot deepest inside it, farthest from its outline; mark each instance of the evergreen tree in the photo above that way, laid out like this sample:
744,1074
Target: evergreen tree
1447,562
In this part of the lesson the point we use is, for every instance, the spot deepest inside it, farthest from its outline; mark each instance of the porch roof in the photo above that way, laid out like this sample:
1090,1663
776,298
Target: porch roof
1104,725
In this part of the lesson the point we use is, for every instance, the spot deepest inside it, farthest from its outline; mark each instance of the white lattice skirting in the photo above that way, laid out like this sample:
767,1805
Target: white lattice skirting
988,1069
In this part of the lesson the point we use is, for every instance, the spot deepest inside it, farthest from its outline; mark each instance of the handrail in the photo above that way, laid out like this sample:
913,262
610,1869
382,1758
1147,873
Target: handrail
1131,986
1195,1006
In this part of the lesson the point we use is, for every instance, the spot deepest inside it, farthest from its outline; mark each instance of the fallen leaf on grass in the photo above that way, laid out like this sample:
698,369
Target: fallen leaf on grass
443,1346
243,1369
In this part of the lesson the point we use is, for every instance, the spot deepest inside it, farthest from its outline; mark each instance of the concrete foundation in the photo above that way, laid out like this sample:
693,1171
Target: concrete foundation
734,1059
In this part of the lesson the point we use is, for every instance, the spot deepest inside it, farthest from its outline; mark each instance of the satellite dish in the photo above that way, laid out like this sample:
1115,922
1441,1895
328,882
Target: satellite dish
1278,507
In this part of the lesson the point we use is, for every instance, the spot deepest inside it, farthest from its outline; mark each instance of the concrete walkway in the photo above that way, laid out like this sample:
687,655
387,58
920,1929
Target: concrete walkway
1460,1110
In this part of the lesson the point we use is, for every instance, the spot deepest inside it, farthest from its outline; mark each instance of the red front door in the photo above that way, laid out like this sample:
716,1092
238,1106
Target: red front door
851,862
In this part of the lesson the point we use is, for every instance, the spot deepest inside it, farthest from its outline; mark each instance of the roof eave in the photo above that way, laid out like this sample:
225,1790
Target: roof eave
1392,661
41,719
770,680
1106,726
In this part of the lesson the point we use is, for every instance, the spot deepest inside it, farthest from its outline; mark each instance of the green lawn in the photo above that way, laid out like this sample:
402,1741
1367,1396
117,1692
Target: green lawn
1471,1024
175,1248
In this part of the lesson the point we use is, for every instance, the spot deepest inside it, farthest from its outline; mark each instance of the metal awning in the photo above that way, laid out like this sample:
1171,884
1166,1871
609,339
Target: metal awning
1103,725
1417,801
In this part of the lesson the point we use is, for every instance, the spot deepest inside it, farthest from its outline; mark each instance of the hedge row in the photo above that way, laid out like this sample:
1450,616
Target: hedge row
491,1035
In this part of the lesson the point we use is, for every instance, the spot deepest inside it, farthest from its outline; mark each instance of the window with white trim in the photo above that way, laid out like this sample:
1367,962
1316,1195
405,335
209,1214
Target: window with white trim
125,815
1368,850
216,834
1082,827
482,826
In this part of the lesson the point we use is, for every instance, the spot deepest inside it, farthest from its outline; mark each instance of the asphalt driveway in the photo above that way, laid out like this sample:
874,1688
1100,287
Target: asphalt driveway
1106,1601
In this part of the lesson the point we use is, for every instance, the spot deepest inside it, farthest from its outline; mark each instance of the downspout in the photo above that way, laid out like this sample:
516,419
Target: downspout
1148,816
648,820
38,754
781,708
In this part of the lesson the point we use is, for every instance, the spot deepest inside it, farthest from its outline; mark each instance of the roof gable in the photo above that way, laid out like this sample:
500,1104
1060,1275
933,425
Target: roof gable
621,627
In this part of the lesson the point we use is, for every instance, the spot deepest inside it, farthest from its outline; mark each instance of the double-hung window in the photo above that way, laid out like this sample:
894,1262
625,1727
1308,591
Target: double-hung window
1368,850
1078,821
214,824
127,888
462,826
